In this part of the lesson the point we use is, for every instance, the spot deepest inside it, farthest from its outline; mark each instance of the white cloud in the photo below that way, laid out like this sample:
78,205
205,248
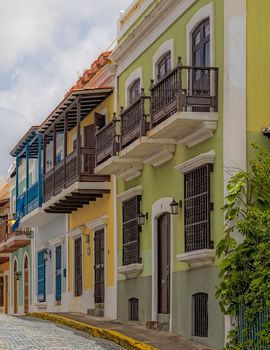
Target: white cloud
45,44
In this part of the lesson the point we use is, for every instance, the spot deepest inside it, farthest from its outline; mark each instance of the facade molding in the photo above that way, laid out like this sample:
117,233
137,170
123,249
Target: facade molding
130,271
98,223
136,74
167,46
197,258
132,192
57,241
160,18
193,163
77,232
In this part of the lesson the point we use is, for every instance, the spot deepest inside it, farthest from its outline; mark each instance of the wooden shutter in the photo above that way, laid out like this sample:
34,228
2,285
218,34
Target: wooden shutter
78,267
197,209
58,273
200,315
41,277
131,231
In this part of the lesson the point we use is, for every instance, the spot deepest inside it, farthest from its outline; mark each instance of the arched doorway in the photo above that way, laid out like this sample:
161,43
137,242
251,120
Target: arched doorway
26,284
15,288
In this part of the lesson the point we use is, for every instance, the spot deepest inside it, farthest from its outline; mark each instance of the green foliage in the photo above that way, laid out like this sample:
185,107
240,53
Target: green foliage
245,251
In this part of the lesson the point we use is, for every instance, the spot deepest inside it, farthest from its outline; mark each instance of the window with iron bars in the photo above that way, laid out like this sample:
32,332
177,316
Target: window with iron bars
131,231
200,315
133,309
78,267
197,207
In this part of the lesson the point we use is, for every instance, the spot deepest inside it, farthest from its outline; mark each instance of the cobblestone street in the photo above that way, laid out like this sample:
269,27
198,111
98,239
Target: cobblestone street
24,334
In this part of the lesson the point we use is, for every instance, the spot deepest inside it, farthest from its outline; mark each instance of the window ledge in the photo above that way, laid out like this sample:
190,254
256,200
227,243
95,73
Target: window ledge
131,271
197,258
41,304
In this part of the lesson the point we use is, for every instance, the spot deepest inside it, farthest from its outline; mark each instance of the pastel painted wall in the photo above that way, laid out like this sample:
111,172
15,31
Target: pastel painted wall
164,181
258,71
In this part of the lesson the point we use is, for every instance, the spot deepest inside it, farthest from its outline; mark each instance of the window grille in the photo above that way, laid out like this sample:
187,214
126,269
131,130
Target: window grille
133,309
78,267
58,273
200,315
131,231
197,208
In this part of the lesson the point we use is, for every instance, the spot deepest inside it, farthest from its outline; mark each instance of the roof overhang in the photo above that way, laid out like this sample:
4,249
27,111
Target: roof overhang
31,133
89,99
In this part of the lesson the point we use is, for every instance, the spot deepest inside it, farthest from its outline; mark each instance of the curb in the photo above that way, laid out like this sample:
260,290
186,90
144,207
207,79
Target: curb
114,336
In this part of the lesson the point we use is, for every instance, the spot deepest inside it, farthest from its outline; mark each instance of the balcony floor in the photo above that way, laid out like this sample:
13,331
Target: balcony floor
75,196
189,128
14,243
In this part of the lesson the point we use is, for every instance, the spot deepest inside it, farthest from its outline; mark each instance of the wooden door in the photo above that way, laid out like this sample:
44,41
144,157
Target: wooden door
99,266
164,270
15,289
6,294
26,285
58,274
88,160
2,288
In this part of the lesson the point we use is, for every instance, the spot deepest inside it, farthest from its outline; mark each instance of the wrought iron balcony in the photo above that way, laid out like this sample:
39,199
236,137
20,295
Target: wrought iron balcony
183,89
107,141
134,122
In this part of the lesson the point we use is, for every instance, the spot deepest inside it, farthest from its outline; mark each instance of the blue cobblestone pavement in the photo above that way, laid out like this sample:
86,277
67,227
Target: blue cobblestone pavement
25,334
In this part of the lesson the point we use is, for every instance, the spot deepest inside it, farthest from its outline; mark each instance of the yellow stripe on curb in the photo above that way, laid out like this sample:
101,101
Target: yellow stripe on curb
114,336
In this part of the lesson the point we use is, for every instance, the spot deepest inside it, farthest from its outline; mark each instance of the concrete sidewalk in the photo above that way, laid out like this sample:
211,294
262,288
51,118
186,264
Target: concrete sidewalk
160,340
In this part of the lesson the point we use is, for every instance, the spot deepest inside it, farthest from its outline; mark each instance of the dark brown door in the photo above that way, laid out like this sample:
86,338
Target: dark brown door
99,267
6,294
26,286
99,121
164,269
89,149
15,291
2,288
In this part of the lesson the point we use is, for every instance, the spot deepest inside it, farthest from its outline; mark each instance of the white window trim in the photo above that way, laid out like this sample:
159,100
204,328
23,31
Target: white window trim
167,46
98,223
193,163
203,13
136,74
132,192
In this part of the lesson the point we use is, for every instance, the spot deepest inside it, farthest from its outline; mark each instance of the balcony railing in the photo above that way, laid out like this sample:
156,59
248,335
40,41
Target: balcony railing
107,141
28,201
185,88
134,122
78,166
6,233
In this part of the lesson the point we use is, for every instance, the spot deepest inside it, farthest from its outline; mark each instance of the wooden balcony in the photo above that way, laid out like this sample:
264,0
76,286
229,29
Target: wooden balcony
72,182
134,122
184,104
107,142
12,241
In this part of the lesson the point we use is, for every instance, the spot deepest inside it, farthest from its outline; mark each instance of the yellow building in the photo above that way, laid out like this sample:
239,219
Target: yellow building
91,252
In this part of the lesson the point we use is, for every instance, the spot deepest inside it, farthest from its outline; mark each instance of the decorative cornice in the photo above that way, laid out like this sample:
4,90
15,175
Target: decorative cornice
105,77
76,232
98,223
203,132
132,192
56,241
201,159
130,173
164,154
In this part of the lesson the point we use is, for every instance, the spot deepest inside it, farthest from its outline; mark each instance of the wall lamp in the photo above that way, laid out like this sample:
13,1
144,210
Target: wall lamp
142,218
175,207
47,252
18,275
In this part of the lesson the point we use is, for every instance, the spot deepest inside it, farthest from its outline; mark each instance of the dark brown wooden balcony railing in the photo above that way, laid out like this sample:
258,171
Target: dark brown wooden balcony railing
107,141
134,122
185,88
78,166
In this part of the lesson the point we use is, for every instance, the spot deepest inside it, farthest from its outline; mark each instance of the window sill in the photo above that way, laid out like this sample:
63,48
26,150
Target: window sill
131,271
41,304
197,258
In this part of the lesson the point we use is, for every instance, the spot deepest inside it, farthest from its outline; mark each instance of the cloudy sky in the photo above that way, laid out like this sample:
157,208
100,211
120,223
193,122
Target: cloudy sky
45,46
